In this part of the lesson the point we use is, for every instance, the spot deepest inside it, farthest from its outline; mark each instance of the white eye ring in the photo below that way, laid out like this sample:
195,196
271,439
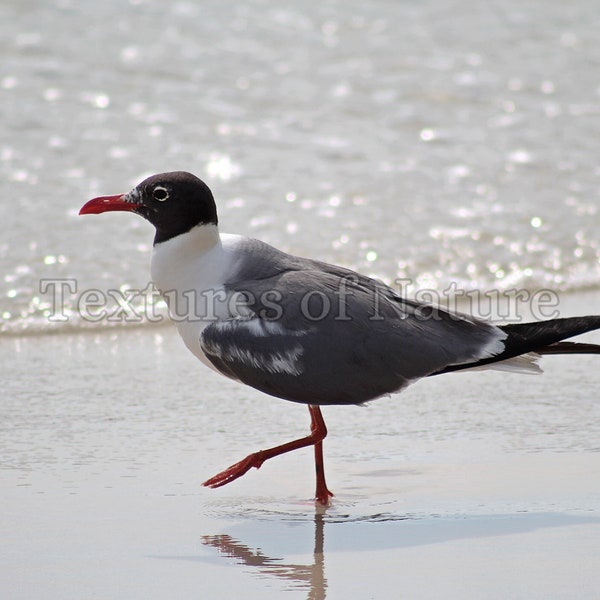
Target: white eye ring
163,193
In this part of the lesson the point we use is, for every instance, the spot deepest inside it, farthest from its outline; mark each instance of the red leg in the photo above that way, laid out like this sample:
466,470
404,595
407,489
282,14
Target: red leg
318,427
318,431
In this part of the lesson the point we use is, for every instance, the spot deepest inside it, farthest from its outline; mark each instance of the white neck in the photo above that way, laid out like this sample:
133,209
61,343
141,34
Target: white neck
183,259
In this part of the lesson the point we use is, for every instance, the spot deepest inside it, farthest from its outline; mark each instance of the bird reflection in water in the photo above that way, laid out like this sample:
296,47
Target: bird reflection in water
310,577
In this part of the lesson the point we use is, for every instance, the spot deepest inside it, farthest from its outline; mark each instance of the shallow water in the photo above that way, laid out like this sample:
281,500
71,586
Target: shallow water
478,484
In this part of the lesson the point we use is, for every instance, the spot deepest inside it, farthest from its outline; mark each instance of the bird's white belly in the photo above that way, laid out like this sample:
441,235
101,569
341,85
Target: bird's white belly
190,334
211,305
189,271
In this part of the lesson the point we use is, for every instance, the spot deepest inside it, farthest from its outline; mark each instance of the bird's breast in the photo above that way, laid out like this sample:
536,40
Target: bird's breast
190,271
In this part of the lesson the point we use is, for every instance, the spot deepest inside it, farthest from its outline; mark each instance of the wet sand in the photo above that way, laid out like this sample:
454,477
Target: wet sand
482,485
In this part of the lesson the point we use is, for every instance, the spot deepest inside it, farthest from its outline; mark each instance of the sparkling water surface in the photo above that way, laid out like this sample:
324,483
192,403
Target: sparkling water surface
440,143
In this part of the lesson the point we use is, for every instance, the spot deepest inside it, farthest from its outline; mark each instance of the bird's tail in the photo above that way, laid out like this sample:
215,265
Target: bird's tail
543,337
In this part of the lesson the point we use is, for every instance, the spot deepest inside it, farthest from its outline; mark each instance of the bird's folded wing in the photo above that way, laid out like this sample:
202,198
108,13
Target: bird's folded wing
321,337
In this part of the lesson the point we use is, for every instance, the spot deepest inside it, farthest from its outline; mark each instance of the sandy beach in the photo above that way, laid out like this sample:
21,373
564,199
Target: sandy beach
473,485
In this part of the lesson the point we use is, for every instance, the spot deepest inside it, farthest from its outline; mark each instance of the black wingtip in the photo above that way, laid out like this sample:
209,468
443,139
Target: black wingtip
543,337
570,348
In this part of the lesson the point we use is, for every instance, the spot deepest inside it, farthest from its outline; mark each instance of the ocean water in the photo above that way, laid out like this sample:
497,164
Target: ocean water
440,143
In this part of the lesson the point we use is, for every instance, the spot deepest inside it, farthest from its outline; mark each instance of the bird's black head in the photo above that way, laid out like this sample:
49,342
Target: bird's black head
173,202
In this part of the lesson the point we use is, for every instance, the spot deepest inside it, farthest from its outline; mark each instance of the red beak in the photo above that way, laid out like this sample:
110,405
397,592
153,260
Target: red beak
106,204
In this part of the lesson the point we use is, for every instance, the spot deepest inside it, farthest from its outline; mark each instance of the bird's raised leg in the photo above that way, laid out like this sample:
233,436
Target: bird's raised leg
318,431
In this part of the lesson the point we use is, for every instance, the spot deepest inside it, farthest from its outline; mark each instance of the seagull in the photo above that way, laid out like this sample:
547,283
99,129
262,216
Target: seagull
304,330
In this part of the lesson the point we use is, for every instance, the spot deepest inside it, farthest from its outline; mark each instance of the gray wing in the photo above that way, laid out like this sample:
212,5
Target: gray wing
319,334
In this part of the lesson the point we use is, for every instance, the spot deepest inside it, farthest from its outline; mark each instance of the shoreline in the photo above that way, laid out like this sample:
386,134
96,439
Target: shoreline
500,307
486,483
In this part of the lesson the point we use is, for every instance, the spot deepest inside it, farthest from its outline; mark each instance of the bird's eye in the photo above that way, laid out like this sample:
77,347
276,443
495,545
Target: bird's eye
160,193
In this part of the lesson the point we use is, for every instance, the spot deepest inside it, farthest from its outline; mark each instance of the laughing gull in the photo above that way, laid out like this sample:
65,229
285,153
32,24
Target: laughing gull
305,330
